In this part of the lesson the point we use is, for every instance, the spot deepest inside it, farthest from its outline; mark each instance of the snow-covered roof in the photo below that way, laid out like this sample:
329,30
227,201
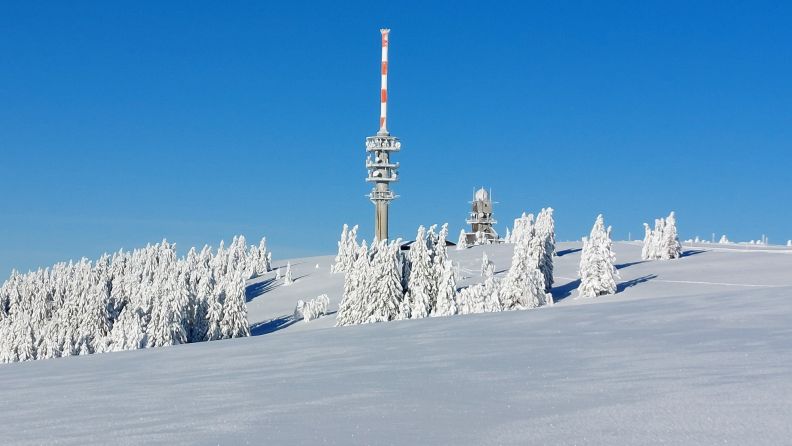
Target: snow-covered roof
481,195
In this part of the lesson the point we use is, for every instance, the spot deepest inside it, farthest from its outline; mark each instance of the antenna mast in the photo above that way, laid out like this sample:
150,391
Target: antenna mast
381,171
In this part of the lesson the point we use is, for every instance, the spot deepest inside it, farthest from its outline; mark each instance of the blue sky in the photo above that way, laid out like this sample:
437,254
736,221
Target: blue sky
123,123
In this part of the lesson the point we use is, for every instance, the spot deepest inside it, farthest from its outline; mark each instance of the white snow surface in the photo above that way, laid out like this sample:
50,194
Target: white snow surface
690,351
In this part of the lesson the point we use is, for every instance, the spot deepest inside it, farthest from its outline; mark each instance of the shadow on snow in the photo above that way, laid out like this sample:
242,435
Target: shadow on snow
631,283
279,323
563,291
628,264
257,289
272,325
564,252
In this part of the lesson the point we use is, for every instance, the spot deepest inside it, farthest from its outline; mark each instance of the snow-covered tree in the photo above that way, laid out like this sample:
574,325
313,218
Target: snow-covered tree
545,231
598,274
214,312
671,246
663,241
260,258
313,309
128,332
422,292
646,251
287,278
523,287
480,298
346,251
356,290
462,241
386,291
234,323
446,294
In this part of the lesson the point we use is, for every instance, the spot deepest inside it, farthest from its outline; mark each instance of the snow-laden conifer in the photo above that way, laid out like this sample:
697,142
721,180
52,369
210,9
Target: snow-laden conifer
287,278
313,309
663,241
545,231
480,298
523,287
598,275
646,250
342,258
386,296
356,290
671,248
462,241
446,304
234,323
422,291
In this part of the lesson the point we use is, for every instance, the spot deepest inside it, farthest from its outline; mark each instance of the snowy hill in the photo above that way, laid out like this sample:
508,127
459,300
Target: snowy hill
691,351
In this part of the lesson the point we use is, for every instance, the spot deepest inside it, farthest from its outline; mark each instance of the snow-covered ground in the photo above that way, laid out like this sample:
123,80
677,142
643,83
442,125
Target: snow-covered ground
692,351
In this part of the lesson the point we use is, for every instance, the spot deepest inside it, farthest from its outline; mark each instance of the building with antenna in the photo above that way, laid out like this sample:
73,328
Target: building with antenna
381,169
481,220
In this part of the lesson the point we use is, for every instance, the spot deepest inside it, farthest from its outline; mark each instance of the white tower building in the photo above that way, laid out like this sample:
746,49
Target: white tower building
381,170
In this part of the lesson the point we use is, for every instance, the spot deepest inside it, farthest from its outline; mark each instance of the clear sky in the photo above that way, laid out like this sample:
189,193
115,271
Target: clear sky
123,123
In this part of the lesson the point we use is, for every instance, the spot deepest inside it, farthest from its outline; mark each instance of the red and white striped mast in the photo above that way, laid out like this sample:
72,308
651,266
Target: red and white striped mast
381,171
384,85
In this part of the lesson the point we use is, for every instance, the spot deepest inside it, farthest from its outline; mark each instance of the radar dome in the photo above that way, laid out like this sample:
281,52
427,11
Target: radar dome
482,195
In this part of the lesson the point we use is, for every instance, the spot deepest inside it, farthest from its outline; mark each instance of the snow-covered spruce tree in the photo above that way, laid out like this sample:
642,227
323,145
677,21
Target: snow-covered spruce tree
214,312
356,292
507,237
265,257
662,242
422,292
287,278
203,292
672,249
545,231
386,291
646,250
446,304
462,241
234,323
431,238
313,309
480,298
520,223
657,238
485,262
128,333
341,264
481,238
598,274
523,287
238,256
171,307
347,250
